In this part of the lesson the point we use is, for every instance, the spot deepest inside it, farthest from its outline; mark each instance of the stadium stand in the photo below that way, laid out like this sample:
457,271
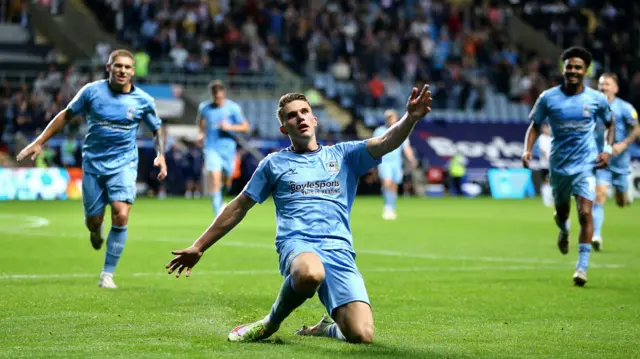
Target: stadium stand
609,29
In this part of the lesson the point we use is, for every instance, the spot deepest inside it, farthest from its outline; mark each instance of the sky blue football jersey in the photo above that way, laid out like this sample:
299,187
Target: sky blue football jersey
572,119
625,117
313,192
113,119
217,139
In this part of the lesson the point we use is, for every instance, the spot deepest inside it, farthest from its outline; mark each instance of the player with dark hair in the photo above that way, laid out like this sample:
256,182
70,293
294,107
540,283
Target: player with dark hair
627,130
114,109
572,111
313,188
217,120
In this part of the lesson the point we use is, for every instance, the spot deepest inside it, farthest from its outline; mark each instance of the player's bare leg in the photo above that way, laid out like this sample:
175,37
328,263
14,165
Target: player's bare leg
354,324
94,225
306,276
561,217
115,242
586,234
622,199
598,216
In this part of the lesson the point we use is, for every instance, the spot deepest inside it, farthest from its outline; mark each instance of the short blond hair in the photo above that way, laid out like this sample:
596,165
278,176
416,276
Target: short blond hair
120,52
287,99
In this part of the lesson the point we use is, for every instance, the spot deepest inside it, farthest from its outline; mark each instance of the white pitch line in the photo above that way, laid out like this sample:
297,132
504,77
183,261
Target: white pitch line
275,272
379,252
26,222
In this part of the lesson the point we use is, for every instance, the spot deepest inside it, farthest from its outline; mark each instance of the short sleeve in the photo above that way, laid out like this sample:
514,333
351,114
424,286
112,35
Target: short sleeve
237,116
632,116
604,110
150,116
539,111
357,157
79,105
259,186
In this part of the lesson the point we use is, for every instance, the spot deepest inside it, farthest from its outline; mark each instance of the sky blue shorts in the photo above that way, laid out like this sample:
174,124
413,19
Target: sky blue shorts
391,171
219,161
581,184
342,284
605,176
100,190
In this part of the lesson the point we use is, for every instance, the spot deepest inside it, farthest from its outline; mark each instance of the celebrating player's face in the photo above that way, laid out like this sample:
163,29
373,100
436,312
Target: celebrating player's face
219,97
574,70
607,86
121,70
298,121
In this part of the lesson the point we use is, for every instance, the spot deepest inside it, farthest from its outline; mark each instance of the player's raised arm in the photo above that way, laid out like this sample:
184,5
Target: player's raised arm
418,105
238,122
605,113
77,106
153,121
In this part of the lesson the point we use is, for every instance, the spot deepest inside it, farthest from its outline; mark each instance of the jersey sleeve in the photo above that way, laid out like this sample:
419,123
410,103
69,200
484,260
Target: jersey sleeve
150,116
539,111
237,115
357,157
259,186
631,118
604,112
79,105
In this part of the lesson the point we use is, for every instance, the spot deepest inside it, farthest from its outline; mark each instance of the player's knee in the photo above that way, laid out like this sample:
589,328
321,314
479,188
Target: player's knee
120,217
361,334
601,195
584,214
308,272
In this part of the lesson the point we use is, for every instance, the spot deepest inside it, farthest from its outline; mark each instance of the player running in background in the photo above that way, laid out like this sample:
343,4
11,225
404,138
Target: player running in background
390,170
572,111
313,188
113,110
218,119
626,128
544,147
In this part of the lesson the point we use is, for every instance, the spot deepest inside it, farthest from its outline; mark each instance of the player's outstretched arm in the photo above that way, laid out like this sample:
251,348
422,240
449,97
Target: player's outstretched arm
230,216
634,133
533,132
159,146
418,106
34,148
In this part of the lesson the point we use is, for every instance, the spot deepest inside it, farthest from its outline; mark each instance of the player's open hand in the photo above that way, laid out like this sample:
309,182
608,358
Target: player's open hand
162,163
185,259
526,157
32,150
419,104
603,160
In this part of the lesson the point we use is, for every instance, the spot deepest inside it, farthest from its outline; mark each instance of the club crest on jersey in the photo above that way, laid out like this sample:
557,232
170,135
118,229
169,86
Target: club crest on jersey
333,167
586,111
131,113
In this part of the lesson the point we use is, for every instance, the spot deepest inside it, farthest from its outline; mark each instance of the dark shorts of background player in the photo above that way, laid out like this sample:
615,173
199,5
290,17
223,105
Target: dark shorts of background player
544,173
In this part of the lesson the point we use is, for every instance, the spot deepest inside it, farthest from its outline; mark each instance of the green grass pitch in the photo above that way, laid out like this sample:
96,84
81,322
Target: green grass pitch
451,278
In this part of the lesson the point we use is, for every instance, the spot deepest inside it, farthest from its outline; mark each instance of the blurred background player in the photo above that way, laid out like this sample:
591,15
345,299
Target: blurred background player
313,188
390,170
616,175
544,149
218,120
113,110
572,111
193,171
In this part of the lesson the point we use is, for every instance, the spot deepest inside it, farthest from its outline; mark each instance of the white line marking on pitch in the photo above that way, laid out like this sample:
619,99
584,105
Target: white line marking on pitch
388,253
24,222
275,272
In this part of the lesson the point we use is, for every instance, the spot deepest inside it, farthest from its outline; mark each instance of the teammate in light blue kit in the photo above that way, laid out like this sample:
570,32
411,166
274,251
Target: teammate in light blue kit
626,124
217,119
113,110
572,111
390,170
313,188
